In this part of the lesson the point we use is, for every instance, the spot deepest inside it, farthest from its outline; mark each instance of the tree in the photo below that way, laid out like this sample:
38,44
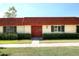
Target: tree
11,13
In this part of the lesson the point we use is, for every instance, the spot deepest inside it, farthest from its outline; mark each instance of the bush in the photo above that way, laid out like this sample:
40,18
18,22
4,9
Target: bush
8,36
3,54
14,36
61,36
24,36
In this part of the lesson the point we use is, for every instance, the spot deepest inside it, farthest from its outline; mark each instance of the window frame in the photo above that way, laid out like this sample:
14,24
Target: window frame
7,30
77,28
57,28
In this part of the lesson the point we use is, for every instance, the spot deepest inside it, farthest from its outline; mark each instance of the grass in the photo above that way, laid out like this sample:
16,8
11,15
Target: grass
15,41
41,41
60,41
41,51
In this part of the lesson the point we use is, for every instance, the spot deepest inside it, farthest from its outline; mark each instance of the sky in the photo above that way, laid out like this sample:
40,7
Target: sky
42,9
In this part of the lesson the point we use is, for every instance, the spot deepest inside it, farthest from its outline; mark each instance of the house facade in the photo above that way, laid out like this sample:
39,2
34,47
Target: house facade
36,26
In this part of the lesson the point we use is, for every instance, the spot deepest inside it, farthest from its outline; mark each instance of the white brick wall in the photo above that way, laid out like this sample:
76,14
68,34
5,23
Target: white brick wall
70,28
28,29
1,29
24,29
46,29
67,28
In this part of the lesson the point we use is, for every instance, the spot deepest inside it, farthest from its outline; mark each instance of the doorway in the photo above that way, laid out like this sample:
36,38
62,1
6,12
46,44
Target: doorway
36,31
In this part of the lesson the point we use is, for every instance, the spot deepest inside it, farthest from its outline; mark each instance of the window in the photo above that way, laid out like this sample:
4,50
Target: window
57,28
9,29
77,29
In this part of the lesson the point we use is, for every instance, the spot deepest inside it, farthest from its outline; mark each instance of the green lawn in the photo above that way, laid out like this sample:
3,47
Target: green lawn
15,41
41,41
60,41
41,51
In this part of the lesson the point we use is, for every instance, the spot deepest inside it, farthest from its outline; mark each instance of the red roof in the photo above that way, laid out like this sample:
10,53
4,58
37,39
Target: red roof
38,21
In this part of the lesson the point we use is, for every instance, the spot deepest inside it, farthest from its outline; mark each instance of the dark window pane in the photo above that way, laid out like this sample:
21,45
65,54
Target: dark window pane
9,29
55,26
52,28
77,29
62,28
59,28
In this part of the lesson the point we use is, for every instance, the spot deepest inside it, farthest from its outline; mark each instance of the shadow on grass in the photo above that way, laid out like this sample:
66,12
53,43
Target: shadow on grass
3,54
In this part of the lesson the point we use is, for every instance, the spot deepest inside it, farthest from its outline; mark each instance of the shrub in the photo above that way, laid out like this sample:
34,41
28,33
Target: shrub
4,54
14,36
2,48
24,36
8,36
61,36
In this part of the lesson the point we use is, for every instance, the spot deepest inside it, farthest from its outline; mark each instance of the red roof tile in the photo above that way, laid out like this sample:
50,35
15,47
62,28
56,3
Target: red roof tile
38,21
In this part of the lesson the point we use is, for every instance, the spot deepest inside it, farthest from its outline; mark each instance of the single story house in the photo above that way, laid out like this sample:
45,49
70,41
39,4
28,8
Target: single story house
37,26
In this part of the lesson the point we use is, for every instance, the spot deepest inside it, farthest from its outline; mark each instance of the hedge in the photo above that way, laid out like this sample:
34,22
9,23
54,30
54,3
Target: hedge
24,36
7,36
14,36
61,36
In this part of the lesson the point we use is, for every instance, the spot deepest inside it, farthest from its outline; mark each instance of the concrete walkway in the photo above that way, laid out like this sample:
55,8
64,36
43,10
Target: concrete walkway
40,45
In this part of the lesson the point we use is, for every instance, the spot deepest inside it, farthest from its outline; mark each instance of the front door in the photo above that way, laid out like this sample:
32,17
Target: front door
36,31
